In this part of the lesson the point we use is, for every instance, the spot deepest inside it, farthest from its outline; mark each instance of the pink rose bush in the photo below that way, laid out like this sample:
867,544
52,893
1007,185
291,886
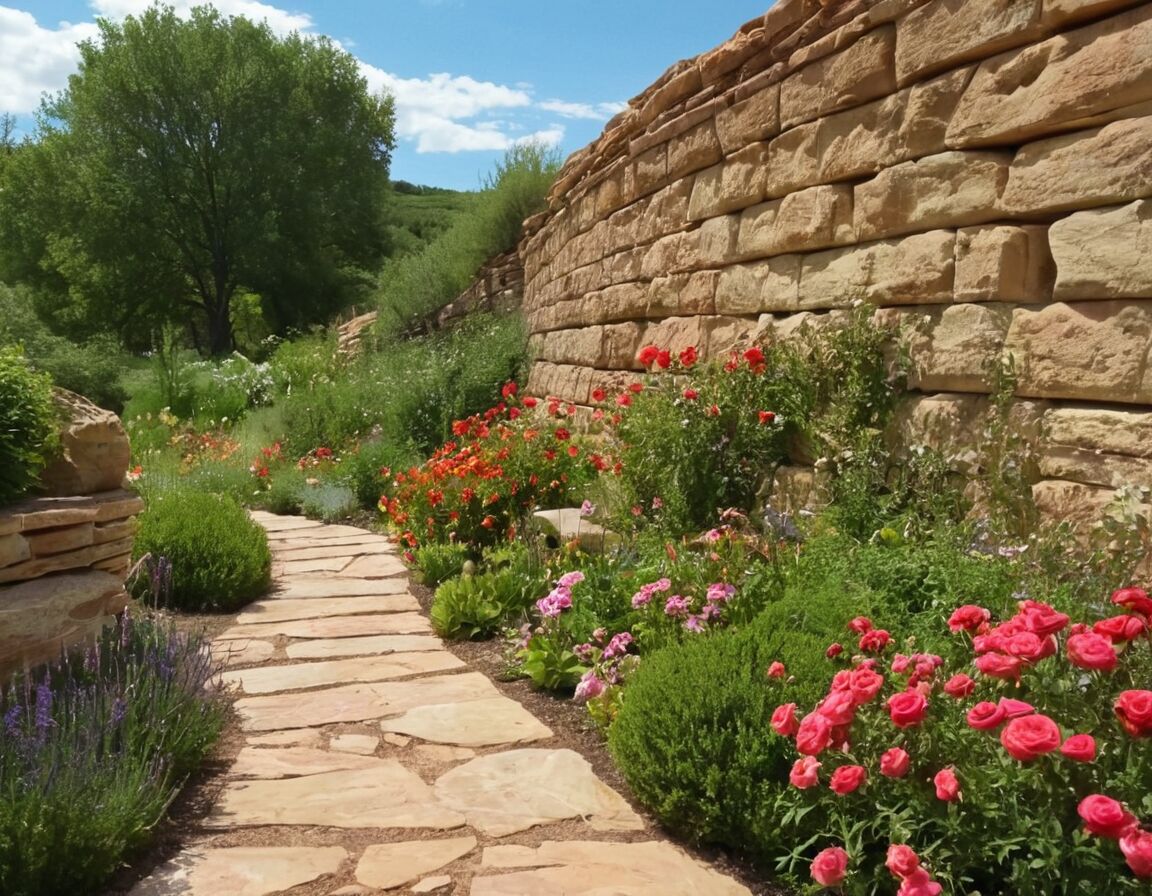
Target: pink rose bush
1022,761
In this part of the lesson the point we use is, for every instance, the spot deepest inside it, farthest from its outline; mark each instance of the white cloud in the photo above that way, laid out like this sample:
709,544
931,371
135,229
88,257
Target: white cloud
279,20
597,112
36,59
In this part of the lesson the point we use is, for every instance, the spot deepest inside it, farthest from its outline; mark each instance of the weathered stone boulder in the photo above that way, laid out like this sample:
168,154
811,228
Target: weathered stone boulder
94,453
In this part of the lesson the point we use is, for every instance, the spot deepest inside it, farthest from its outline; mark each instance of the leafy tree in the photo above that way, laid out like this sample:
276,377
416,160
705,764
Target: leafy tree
189,160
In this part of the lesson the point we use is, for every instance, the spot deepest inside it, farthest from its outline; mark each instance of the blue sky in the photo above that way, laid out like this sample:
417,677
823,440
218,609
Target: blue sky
470,77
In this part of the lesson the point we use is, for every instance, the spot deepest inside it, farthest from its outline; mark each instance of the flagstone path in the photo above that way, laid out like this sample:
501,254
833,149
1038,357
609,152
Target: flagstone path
375,761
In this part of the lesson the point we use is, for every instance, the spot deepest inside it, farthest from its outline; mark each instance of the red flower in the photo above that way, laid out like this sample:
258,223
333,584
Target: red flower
902,860
509,390
830,867
803,774
1079,748
834,650
562,435
598,394
968,618
784,720
529,401
688,356
814,734
894,763
691,394
714,411
766,417
776,670
648,355
947,785
919,883
1137,849
997,665
488,522
907,709
848,778
1134,599
959,685
755,357
875,641
984,716
1105,817
1089,650
1121,628
865,684
1029,737
663,359
624,399
1042,619
860,625
1134,710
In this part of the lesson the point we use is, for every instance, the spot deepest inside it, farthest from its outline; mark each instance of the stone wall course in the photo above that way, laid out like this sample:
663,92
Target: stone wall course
1104,252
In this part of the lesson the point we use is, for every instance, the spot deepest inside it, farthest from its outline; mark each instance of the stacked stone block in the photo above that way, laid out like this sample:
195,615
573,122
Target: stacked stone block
981,170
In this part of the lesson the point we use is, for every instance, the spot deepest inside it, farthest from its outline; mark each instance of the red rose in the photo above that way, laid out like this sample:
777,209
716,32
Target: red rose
834,650
1089,650
1042,619
894,763
984,716
803,774
1105,817
997,665
663,359
1121,628
648,355
968,618
830,866
1029,647
599,395
839,707
1137,849
947,786
866,684
907,708
754,356
1028,737
688,356
959,685
776,670
814,734
691,394
847,778
529,402
919,883
860,625
1079,748
1135,599
902,860
784,720
1013,709
1134,710
875,641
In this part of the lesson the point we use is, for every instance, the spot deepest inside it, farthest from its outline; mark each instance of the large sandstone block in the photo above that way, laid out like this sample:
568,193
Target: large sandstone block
616,303
728,334
951,189
665,255
1094,467
752,120
772,285
1058,13
1090,350
916,270
13,549
1084,506
1004,263
949,423
1102,166
677,294
1104,253
698,148
861,72
94,453
1076,78
574,346
945,33
650,170
714,244
793,161
952,350
809,219
735,183
1101,430
620,344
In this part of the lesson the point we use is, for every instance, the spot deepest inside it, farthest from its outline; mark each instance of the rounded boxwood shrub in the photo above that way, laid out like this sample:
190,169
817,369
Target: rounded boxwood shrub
219,555
27,424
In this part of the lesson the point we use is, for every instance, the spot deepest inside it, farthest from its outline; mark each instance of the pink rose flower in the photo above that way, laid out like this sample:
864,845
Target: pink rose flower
1079,748
1134,710
1028,737
1089,650
1137,849
968,618
803,774
902,860
959,686
784,720
848,778
907,709
1105,817
894,763
947,785
985,715
830,867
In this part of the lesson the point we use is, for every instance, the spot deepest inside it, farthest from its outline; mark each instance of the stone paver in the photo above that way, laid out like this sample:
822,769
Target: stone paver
296,676
508,792
478,723
438,773
395,864
241,871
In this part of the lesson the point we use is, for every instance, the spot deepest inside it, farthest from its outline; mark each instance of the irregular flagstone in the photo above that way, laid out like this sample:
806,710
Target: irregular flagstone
359,702
512,791
395,864
374,567
432,884
292,762
297,737
385,796
318,564
288,523
284,609
360,744
441,753
586,868
241,871
325,532
295,676
334,647
334,627
301,587
292,541
324,551
241,652
477,723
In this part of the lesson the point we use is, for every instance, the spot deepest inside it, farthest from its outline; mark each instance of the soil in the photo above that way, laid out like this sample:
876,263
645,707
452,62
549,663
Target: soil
567,719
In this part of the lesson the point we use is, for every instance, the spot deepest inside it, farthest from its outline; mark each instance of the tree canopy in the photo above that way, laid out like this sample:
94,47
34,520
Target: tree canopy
188,160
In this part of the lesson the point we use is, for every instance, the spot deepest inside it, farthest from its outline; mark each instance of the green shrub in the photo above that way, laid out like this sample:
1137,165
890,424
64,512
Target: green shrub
328,502
436,563
220,557
466,609
28,424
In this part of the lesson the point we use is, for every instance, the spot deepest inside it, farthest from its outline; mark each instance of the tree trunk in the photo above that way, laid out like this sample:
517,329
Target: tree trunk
220,327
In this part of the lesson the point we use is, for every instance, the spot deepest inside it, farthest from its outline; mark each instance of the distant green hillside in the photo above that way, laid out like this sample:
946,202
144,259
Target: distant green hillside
418,214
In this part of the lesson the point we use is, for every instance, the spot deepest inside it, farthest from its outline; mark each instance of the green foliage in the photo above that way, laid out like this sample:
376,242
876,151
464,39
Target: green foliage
328,502
220,557
549,662
692,736
466,608
436,563
93,750
28,424
413,287
244,162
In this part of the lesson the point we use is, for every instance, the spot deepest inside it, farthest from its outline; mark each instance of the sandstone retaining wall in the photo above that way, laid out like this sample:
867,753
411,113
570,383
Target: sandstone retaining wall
979,168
